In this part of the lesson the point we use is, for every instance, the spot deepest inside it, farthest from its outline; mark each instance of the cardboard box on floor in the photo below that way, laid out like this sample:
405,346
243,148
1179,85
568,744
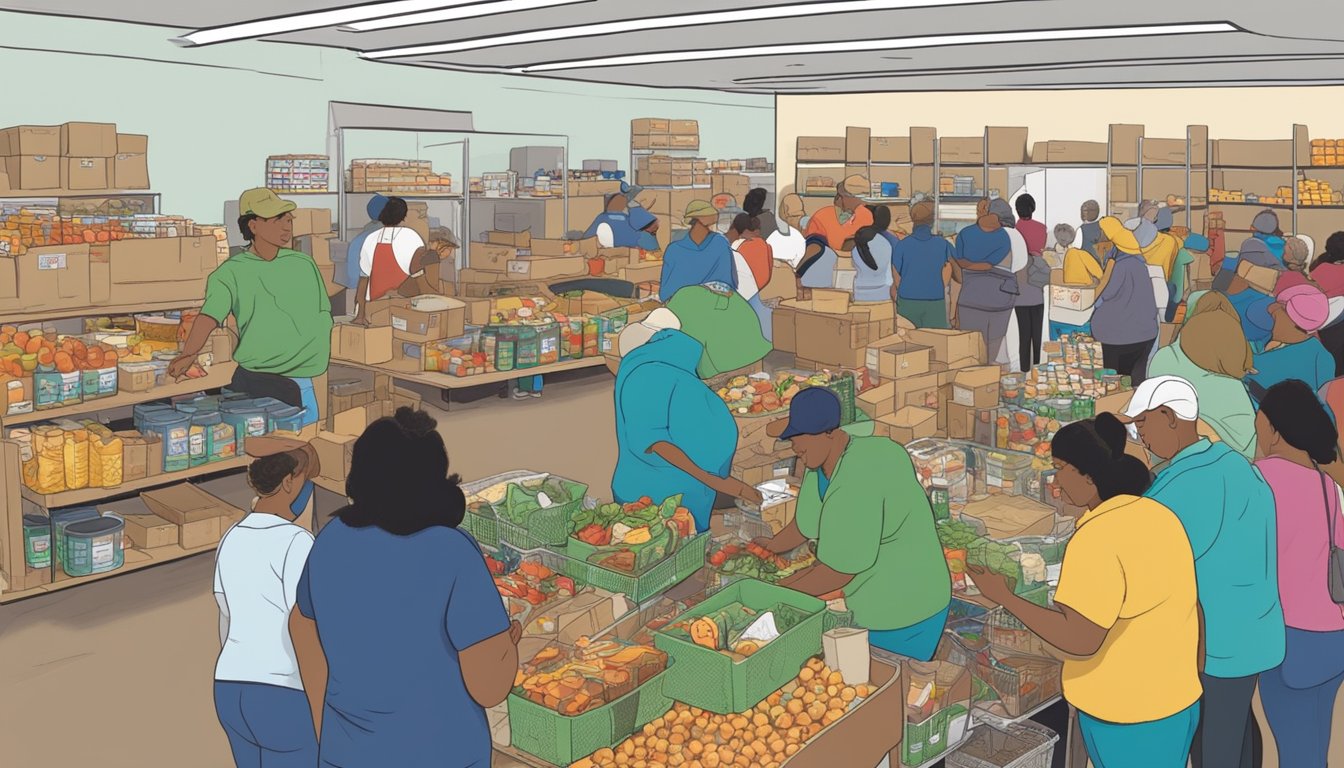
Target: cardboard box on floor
907,424
977,386
198,515
356,344
949,345
334,452
900,358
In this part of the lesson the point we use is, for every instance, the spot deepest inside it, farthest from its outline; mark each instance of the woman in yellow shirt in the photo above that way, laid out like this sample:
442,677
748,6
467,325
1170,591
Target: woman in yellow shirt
1080,267
1126,613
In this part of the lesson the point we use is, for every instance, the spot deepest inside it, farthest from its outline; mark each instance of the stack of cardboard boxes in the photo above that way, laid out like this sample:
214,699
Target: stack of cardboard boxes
352,405
518,259
397,177
662,133
79,157
182,515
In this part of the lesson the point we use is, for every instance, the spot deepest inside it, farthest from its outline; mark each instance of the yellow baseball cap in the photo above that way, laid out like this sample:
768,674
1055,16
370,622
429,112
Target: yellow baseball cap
264,203
699,209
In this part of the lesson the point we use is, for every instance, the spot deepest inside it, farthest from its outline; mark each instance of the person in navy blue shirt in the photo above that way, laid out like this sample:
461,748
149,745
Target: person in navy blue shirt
919,260
413,634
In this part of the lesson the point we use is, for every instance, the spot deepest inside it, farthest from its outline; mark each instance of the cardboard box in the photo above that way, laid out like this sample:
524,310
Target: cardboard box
33,172
317,246
1069,152
488,257
1074,297
334,452
735,184
88,140
49,277
410,324
198,515
821,149
404,398
857,144
1125,144
1262,279
1163,151
1008,516
683,127
153,269
893,361
648,125
922,145
922,391
354,421
314,221
546,268
514,239
477,311
970,149
150,531
907,425
977,386
961,421
586,248
132,144
130,171
949,345
1007,146
368,346
889,149
1253,154
877,401
830,302
85,173
142,455
44,140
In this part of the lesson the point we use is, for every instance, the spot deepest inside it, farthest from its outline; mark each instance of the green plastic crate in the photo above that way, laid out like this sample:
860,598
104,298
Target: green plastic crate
713,681
558,739
687,558
925,741
480,522
545,527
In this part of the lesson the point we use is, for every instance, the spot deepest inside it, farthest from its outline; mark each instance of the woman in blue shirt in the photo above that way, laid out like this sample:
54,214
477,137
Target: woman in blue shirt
1124,319
1293,351
702,257
872,258
919,261
413,634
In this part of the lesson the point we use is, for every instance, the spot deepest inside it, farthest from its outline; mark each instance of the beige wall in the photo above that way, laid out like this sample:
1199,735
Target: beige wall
1230,113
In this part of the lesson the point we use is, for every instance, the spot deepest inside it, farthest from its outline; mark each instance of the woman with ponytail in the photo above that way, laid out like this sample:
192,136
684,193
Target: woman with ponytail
1297,440
411,627
872,258
1125,611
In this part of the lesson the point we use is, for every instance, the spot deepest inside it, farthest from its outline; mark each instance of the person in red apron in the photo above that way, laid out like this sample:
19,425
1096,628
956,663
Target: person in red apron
388,258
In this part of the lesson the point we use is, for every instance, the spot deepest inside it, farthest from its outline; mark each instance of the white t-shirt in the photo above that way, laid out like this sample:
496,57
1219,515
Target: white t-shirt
789,247
605,237
1019,258
746,281
257,570
405,242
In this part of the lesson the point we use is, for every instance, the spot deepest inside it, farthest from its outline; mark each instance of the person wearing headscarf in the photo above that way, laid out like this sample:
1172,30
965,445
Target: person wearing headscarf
1124,318
986,264
702,257
1295,260
1211,353
1029,306
1090,228
920,261
787,241
674,435
1265,247
1293,351
843,219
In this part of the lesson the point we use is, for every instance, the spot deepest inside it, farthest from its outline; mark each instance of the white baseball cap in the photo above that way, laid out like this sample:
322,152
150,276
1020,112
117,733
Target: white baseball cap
1172,391
636,335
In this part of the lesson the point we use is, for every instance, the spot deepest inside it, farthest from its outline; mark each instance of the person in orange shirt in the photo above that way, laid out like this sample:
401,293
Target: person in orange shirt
745,237
845,217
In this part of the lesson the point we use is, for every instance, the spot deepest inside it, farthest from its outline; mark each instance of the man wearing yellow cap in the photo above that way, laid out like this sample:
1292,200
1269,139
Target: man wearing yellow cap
845,217
279,301
1124,318
702,257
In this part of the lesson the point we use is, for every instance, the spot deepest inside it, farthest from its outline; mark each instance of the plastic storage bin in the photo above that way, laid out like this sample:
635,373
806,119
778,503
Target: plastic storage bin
686,557
37,541
1025,745
925,741
174,429
547,527
93,546
711,680
64,518
247,420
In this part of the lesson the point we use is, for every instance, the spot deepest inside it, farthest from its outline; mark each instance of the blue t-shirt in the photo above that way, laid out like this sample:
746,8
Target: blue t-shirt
686,263
919,260
1307,361
1253,308
873,284
1227,510
393,613
976,245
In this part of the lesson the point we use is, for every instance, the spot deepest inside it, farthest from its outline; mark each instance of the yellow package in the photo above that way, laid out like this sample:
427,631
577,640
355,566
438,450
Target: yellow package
49,449
76,457
105,461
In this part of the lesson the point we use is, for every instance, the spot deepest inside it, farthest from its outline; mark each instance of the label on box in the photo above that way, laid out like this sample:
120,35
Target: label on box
51,261
104,550
86,163
399,323
519,267
549,345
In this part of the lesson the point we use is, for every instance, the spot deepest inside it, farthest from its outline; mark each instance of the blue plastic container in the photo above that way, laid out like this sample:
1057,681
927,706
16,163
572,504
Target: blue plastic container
174,429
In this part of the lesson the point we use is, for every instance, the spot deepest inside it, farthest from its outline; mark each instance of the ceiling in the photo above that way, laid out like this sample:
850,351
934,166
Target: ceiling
1282,43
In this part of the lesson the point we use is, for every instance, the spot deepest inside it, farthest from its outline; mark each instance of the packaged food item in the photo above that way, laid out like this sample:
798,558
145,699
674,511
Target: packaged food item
49,448
75,456
105,460
174,429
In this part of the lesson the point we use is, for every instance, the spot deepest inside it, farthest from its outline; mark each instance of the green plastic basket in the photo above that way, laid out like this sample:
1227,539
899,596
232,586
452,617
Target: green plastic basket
713,681
480,522
558,739
686,558
547,527
927,740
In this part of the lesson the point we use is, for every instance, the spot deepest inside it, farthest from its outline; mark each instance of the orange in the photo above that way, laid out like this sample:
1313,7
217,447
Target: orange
64,363
33,345
45,356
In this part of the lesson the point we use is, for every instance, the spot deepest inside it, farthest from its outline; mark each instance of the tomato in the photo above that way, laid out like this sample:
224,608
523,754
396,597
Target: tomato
718,558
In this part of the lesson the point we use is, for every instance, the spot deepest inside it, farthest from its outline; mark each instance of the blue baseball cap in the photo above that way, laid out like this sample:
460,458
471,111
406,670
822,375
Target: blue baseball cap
375,206
814,411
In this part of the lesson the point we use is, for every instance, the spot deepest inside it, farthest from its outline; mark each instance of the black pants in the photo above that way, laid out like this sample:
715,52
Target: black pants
1333,339
1128,359
1228,735
282,388
1029,324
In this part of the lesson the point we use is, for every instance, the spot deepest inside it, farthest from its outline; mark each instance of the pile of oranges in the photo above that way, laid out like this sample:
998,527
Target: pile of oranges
22,352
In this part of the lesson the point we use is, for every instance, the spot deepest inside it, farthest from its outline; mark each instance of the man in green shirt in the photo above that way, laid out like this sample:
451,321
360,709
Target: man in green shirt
279,301
862,503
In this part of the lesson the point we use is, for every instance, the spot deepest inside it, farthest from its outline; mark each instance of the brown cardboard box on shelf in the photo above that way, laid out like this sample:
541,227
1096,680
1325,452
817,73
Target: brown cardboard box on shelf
141,456
889,149
49,277
1163,151
546,268
356,344
410,324
858,143
970,149
922,145
513,239
1007,146
333,453
977,386
132,144
821,149
647,125
33,172
42,140
198,515
735,184
488,257
1122,190
150,531
130,171
312,221
79,173
1253,154
684,127
88,140
152,269
949,345
907,424
317,246
899,359
1069,152
1125,143
651,141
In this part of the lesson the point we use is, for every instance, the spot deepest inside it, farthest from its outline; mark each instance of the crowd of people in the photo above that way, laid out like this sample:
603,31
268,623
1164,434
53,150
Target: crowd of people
1186,587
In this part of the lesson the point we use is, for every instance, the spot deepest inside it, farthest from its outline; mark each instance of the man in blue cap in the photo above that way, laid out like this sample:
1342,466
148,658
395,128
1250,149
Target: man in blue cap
623,226
374,209
863,504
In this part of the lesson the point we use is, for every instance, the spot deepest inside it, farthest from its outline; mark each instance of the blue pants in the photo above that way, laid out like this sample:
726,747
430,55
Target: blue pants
763,314
1299,696
1161,743
268,726
918,641
309,398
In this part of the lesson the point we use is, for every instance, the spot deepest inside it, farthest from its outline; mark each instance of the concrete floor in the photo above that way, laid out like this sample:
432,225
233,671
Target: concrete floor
118,673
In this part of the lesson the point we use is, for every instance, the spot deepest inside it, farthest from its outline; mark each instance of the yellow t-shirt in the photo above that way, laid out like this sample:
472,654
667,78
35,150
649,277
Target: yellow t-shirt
1129,568
1162,253
1081,267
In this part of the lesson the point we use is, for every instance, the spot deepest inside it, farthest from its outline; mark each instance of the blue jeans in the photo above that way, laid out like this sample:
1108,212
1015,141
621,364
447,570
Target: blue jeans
268,726
918,641
308,397
1299,696
1161,743
763,314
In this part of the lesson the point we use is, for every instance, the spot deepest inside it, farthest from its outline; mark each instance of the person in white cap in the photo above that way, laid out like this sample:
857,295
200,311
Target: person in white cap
1227,510
674,435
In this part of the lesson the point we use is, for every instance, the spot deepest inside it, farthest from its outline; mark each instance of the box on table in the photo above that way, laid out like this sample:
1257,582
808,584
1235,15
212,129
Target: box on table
488,257
85,173
513,239
198,515
334,452
48,277
977,386
31,140
312,221
150,531
411,324
88,140
950,345
1075,297
546,268
901,358
356,344
33,172
586,248
152,269
908,424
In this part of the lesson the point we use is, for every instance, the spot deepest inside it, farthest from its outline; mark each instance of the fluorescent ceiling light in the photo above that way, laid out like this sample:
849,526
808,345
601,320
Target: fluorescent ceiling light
890,44
455,14
329,18
669,22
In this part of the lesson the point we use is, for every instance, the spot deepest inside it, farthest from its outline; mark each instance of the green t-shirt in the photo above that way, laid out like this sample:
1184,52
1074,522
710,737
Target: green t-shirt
876,523
282,310
1178,273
